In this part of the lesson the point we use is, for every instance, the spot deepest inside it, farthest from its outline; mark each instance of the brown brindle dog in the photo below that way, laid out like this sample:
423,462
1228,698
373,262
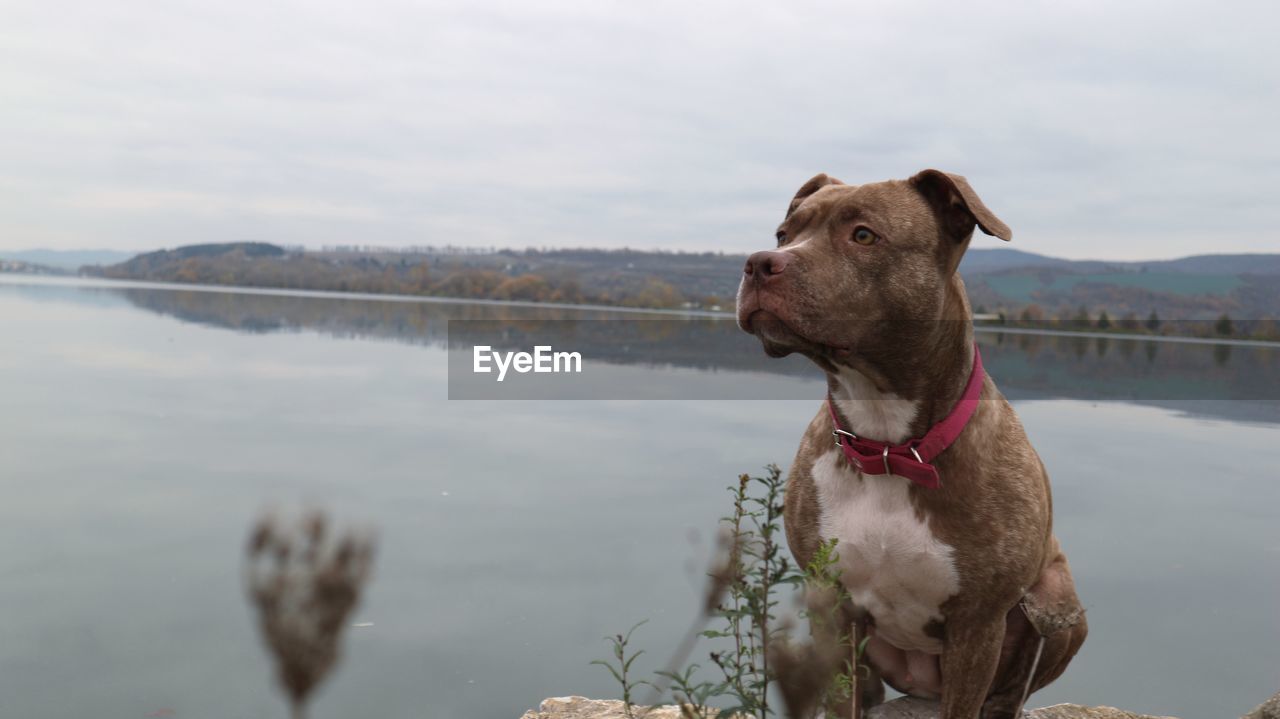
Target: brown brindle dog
961,587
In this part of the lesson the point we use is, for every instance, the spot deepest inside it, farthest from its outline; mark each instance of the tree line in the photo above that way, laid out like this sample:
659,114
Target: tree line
369,275
1083,319
640,282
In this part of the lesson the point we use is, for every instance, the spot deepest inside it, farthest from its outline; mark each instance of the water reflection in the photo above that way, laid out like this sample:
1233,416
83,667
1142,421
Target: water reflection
1202,378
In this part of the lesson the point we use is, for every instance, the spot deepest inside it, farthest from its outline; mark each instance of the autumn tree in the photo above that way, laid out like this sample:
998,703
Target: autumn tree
655,293
1032,314
468,283
525,288
418,278
568,292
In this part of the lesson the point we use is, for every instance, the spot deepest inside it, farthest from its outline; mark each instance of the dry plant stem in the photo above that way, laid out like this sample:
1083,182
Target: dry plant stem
855,701
740,585
678,659
736,620
767,586
724,572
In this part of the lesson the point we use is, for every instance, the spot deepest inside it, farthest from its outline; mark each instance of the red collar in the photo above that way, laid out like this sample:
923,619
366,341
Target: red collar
912,459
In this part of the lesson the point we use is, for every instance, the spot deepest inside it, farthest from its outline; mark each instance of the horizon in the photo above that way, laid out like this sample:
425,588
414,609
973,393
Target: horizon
411,248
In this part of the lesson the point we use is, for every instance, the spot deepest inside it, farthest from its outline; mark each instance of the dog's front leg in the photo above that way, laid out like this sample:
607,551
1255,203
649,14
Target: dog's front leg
970,656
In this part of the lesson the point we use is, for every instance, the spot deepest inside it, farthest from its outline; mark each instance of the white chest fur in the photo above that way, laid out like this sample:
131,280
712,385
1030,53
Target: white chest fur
890,562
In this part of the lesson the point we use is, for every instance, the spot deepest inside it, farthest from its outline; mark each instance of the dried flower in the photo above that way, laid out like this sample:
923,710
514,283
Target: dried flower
304,597
724,571
804,671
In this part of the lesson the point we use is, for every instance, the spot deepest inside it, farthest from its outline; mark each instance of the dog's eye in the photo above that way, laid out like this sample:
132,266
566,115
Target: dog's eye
782,237
863,236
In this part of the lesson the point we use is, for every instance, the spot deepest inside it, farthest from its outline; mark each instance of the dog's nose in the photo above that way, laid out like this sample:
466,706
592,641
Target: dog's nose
766,264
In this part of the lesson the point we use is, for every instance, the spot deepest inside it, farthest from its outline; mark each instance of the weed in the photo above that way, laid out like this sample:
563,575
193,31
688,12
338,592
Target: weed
825,596
691,695
621,672
743,591
748,613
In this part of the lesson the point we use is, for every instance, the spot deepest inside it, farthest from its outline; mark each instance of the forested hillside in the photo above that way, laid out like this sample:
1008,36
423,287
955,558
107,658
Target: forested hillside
1236,295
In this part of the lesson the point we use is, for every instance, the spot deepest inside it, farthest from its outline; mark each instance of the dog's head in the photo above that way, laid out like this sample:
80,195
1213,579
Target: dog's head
853,261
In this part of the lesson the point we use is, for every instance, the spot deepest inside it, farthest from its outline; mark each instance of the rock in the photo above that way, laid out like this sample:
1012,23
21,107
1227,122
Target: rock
1270,709
1076,711
904,708
913,708
901,708
584,708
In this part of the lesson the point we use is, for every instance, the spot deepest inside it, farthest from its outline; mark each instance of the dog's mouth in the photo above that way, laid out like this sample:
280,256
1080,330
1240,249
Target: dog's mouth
777,337
780,339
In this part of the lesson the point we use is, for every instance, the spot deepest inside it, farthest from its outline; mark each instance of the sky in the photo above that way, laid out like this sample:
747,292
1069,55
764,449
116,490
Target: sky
1135,130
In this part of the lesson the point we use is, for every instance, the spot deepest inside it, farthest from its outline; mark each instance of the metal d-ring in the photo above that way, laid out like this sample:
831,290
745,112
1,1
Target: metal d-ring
836,433
885,459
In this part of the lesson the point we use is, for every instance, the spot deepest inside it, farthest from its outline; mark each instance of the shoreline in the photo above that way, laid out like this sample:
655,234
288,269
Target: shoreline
979,326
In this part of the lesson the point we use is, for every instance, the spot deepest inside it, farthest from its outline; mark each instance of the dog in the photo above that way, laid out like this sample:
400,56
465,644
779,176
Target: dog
916,466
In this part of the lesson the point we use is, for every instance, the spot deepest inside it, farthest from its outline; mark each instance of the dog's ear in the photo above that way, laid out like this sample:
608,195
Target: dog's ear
815,183
958,205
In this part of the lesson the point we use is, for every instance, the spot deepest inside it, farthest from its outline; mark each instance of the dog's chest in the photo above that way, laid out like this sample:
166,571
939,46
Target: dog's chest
890,561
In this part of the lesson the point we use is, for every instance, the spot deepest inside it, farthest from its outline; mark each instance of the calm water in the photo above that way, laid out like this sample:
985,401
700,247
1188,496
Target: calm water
141,430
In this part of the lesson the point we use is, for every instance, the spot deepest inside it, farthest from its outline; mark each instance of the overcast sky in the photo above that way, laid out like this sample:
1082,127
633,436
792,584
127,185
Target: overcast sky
1111,130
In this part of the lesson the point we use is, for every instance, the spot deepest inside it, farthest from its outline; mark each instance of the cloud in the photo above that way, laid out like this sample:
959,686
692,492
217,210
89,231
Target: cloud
1139,130
212,203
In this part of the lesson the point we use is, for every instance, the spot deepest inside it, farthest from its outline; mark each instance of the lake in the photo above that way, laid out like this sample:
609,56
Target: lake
143,429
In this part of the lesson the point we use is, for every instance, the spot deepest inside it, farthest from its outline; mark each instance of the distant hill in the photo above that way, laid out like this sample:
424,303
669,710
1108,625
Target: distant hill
982,261
66,259
20,267
165,260
611,277
1256,264
978,260
1011,282
1202,287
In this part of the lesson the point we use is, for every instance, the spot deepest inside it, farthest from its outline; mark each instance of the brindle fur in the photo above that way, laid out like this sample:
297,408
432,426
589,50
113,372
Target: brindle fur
897,312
